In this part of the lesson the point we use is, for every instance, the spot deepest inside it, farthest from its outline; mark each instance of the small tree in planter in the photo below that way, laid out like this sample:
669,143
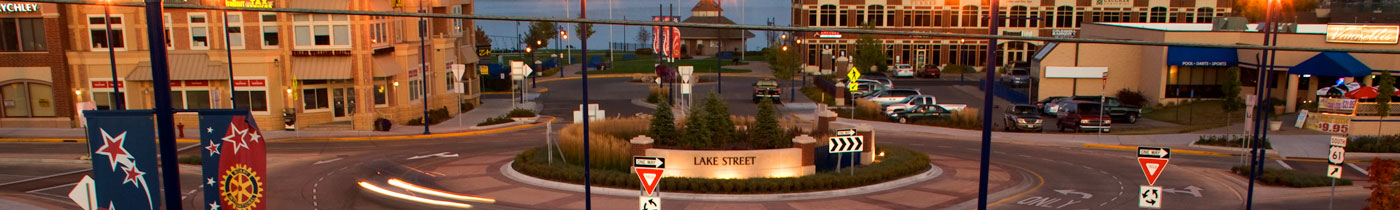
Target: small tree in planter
766,132
663,124
1387,89
697,130
717,115
521,115
1231,89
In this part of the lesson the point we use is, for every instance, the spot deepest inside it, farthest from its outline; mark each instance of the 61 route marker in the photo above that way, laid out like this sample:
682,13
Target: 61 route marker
1153,160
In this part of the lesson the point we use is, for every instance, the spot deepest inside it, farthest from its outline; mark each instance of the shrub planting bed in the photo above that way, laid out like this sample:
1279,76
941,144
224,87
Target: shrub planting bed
897,163
1379,144
1228,141
1290,178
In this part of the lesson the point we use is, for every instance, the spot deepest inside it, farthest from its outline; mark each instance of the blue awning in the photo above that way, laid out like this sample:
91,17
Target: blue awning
1332,64
1201,56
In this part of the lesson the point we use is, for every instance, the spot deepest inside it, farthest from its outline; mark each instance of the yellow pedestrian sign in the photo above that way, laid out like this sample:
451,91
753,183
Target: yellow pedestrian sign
851,77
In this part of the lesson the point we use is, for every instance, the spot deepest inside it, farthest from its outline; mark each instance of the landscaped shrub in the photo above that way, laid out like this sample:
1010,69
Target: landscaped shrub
496,120
765,130
897,163
717,115
968,118
1383,144
520,113
663,124
658,94
643,51
435,116
1290,178
1228,141
1130,97
609,146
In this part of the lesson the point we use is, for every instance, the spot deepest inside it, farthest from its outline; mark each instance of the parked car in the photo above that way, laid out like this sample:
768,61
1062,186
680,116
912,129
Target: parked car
910,101
1040,105
931,111
1017,76
1053,107
1022,117
1116,109
880,78
891,95
931,71
767,88
864,89
1083,116
903,70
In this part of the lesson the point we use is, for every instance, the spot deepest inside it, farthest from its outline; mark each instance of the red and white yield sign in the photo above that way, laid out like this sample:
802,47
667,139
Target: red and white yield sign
1153,160
649,170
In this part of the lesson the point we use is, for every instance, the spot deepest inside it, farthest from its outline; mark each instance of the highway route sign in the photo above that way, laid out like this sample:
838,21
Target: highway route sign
845,144
650,162
649,203
1336,155
1154,152
1339,141
1149,197
1334,171
1152,168
651,177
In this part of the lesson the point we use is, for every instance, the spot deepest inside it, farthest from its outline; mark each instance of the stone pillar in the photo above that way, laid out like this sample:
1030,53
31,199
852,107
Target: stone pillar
867,156
640,144
808,146
1290,100
824,119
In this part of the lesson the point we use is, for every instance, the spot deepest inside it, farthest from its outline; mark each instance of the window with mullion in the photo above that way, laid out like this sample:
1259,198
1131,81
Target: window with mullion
98,33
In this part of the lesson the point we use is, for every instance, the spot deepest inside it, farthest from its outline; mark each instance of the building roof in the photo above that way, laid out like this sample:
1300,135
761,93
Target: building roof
1302,28
184,66
707,5
707,33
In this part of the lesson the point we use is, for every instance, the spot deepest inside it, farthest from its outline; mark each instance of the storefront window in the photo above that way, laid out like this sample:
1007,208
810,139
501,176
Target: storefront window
27,99
315,98
1195,81
22,35
381,95
189,99
252,100
105,101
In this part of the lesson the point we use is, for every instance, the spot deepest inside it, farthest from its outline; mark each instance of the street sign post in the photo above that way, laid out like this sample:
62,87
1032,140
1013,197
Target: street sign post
1336,155
845,144
1153,160
1149,197
649,171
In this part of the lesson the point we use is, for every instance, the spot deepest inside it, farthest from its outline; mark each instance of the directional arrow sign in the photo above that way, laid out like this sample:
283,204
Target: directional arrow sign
1152,167
1334,171
845,144
651,177
1154,152
650,162
650,202
1150,197
1082,195
846,132
85,194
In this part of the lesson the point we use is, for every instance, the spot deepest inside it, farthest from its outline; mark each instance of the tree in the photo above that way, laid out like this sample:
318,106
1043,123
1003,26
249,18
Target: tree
766,132
540,33
663,124
584,30
718,119
643,36
698,131
1231,89
1387,89
1383,195
481,37
869,52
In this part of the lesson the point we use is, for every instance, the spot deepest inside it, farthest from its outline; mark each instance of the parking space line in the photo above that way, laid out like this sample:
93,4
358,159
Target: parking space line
1284,164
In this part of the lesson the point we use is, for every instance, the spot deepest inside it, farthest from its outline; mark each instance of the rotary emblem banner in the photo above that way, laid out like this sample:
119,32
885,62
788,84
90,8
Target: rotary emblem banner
235,161
124,169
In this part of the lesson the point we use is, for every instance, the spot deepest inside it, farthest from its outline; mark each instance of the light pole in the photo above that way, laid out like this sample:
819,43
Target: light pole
117,98
423,69
1261,135
588,115
988,87
228,51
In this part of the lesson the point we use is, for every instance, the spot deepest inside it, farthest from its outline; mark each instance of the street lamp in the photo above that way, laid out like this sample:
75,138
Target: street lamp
117,98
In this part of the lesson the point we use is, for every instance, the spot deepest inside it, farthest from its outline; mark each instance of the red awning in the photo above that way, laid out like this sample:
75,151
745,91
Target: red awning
1365,92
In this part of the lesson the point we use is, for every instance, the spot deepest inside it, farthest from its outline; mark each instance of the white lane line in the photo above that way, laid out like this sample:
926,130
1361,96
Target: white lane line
1358,168
1025,156
326,161
1285,165
54,187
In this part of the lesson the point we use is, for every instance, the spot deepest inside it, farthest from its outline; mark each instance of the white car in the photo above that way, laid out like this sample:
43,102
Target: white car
891,95
910,101
903,70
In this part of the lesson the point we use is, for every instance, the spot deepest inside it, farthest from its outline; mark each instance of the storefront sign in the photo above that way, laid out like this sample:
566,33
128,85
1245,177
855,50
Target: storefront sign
733,164
1075,72
1063,33
829,35
249,83
107,84
248,3
1336,104
1019,2
1113,3
18,7
1330,123
1363,34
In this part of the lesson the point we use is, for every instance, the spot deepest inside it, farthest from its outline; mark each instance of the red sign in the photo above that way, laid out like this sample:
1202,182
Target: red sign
249,83
107,84
1152,167
197,83
651,177
176,83
829,34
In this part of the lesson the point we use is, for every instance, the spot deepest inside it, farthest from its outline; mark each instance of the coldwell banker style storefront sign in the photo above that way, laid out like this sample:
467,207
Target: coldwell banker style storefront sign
1363,34
248,3
18,7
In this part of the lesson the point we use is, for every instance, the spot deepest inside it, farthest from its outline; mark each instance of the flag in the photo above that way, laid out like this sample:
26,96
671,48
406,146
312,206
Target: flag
124,169
675,40
656,36
235,161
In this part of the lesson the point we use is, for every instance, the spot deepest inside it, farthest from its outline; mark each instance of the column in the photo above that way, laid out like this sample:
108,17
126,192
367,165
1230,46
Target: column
867,155
824,119
808,146
640,144
1290,100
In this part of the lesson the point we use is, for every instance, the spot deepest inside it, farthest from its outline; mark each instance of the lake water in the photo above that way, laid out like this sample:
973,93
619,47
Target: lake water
503,33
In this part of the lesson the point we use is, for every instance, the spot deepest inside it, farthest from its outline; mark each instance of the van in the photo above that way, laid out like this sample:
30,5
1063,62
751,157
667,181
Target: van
1083,116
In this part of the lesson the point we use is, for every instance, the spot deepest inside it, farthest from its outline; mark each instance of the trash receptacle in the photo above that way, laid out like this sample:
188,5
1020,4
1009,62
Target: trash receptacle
382,124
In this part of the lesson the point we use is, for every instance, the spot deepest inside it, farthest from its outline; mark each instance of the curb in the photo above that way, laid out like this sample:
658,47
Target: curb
1009,193
933,172
1194,152
68,140
421,136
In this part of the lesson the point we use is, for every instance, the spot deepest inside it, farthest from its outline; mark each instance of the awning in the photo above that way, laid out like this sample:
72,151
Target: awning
321,68
194,66
386,66
1201,56
1332,64
319,4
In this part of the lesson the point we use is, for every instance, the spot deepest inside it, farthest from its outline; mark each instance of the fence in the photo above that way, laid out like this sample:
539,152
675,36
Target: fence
1005,93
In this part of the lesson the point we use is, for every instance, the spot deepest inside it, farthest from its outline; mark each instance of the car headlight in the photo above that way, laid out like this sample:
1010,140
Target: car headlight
1084,121
1021,120
1107,121
1037,121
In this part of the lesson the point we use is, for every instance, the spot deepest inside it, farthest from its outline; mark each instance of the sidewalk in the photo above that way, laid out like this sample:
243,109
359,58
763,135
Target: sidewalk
461,123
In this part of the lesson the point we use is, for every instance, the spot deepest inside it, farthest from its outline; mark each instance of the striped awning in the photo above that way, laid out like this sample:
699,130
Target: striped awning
321,68
192,66
386,66
320,4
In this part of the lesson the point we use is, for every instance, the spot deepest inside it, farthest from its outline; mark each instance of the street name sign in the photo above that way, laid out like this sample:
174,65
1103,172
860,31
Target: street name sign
845,144
650,162
1149,197
1154,152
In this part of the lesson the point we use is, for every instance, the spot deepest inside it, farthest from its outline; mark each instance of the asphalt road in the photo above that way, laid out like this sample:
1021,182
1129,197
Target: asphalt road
615,95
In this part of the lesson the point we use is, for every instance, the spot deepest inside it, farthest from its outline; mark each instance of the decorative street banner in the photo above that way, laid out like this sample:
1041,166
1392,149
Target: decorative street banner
123,145
235,160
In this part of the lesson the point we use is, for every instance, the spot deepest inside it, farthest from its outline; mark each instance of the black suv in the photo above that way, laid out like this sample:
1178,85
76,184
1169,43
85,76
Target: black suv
1116,110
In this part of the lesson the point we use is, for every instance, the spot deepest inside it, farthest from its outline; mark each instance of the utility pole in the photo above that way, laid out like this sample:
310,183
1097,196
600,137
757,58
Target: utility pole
987,106
165,114
587,114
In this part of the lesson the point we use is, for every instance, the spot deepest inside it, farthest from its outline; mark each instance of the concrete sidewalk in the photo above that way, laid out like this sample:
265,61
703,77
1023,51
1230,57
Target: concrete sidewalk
465,122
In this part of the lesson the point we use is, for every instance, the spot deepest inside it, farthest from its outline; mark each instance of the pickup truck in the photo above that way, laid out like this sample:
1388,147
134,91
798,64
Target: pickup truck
910,101
1115,109
767,88
930,111
891,95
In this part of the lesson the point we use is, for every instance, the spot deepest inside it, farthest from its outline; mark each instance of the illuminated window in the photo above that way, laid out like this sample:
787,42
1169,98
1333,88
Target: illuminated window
270,35
98,32
199,31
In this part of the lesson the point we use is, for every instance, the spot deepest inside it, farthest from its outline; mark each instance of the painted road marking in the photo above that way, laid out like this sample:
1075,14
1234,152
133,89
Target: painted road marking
1284,164
1190,190
1046,202
1082,195
326,161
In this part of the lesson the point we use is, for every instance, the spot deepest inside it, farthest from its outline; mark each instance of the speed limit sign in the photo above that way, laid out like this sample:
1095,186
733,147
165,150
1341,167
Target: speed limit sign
1336,155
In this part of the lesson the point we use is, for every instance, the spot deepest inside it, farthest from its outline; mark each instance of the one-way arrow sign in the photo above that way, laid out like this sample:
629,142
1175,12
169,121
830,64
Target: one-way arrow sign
845,144
651,162
1154,152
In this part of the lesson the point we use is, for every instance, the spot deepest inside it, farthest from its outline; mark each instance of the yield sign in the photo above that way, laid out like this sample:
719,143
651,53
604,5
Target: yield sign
650,178
1152,167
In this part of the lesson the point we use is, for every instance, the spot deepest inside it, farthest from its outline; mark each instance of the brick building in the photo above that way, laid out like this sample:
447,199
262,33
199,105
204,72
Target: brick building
35,90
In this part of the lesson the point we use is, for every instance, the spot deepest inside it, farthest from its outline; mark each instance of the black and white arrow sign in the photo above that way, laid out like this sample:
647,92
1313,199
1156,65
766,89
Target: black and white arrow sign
845,144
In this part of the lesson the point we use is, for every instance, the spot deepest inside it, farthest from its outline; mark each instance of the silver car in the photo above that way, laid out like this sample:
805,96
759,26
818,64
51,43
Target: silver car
892,95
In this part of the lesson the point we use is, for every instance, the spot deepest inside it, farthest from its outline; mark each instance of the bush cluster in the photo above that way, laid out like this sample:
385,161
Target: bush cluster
643,51
435,116
1130,97
520,113
1290,178
968,118
1229,141
898,163
496,120
1381,144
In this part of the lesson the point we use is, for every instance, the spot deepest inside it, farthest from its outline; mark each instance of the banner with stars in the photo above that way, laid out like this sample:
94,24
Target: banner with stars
235,160
124,169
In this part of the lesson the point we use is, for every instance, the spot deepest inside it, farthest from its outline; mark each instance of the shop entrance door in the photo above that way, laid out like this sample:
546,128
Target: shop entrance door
343,103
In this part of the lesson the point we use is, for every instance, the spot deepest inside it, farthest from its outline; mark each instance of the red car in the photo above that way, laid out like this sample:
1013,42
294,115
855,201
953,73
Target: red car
931,71
1083,116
